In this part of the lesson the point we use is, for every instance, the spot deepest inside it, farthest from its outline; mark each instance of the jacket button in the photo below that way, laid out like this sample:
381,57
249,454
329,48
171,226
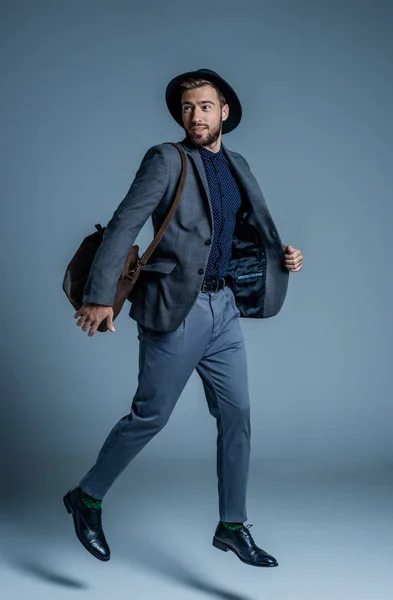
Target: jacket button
201,271
273,233
208,242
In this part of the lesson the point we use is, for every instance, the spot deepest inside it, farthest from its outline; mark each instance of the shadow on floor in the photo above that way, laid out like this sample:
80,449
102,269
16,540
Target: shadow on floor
43,572
154,558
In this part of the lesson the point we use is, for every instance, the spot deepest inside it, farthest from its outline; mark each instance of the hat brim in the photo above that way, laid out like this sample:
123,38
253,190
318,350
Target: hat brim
173,96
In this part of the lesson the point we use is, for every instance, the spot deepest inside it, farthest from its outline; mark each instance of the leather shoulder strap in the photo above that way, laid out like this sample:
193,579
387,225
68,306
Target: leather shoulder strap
146,255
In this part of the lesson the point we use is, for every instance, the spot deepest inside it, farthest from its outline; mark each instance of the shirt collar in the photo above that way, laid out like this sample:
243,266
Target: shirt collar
213,156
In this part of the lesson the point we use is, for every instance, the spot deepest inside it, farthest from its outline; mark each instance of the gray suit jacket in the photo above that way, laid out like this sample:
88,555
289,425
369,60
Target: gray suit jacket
169,284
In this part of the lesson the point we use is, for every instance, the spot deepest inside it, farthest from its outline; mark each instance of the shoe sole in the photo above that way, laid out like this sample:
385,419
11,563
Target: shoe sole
68,506
225,548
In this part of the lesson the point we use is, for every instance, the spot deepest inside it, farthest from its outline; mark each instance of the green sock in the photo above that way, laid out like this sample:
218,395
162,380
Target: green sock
229,525
89,501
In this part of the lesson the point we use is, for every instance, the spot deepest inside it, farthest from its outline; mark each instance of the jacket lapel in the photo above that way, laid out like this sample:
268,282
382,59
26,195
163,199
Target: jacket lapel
251,189
194,155
238,170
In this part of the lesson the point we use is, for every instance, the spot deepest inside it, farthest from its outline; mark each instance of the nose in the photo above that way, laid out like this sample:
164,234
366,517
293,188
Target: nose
196,116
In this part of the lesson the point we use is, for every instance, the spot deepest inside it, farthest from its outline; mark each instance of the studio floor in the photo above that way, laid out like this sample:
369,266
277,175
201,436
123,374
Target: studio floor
331,533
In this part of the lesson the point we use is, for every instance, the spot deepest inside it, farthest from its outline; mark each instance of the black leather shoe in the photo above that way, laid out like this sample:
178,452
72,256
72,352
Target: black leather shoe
241,543
87,523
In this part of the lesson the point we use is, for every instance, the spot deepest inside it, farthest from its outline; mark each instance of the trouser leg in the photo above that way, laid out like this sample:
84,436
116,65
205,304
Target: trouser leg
165,365
223,370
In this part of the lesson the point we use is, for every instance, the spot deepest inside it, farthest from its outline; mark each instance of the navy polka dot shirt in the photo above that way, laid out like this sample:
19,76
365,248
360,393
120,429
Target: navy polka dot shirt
226,200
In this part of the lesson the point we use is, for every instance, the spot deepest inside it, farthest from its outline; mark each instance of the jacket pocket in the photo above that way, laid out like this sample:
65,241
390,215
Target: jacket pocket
249,276
160,266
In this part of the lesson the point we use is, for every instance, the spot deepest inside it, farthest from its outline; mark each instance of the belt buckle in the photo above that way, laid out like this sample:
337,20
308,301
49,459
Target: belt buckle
219,284
208,285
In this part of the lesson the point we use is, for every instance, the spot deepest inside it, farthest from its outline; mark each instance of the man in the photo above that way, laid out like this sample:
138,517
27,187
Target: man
220,258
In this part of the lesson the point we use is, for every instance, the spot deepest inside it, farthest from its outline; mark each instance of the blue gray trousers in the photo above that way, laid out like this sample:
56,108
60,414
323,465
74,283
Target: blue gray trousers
211,341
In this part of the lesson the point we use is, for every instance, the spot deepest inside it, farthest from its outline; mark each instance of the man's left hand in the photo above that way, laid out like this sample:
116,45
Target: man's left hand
293,259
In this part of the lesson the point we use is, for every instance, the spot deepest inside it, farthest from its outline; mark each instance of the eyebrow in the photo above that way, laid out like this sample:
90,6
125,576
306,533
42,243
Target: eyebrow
200,102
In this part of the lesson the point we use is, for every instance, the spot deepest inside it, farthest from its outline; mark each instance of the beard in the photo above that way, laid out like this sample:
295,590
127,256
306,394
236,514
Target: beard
210,136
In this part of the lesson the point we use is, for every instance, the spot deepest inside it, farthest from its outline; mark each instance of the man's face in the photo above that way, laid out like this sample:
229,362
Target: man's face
203,116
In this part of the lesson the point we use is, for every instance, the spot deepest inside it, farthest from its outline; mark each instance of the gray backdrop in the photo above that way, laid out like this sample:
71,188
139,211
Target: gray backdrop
82,100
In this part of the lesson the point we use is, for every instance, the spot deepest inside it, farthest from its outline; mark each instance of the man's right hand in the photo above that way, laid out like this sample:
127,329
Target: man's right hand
91,315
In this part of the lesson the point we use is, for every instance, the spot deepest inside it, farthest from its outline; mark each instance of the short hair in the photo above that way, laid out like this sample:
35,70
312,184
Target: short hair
192,84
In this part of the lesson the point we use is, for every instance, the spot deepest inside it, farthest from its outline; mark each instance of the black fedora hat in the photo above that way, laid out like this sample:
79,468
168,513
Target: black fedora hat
173,95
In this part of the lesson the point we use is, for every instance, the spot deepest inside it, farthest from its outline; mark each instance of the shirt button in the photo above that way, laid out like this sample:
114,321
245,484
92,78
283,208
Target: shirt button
201,271
208,242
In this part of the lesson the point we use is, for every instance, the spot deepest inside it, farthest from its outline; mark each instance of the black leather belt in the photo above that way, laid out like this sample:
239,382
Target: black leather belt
213,285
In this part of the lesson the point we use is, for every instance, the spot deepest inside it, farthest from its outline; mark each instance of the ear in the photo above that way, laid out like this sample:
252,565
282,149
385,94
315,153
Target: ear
225,112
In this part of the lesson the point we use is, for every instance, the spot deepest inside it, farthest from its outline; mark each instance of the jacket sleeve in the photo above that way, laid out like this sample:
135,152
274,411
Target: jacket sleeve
144,195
